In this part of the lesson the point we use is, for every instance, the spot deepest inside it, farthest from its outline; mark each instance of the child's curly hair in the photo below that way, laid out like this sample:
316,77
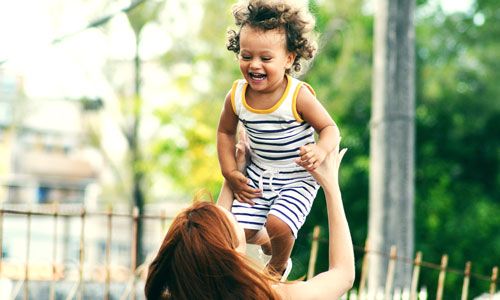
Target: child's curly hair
294,18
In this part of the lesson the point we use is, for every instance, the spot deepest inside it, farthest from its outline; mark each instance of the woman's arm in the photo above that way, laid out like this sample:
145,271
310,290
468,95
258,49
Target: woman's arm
333,283
226,196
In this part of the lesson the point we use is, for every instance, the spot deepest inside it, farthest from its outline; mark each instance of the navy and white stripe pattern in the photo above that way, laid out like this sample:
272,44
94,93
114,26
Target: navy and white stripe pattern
275,136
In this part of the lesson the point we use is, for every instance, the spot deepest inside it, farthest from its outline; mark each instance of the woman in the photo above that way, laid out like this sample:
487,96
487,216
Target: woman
202,255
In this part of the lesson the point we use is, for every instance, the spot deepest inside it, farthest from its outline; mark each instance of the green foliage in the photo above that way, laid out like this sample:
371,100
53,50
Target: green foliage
188,153
457,155
189,156
457,205
143,14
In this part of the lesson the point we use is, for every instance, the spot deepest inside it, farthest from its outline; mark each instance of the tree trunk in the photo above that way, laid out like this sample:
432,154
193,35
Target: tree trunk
136,157
392,141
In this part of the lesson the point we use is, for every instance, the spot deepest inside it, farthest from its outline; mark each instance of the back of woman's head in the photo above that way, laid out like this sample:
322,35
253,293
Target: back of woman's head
198,260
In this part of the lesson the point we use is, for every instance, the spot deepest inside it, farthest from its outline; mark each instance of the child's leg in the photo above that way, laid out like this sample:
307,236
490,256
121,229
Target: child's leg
259,237
282,241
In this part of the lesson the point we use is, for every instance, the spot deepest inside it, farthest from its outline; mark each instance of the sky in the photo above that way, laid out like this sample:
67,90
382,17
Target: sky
73,68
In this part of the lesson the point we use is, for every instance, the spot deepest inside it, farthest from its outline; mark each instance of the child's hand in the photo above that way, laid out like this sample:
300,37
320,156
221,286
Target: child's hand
242,191
328,171
311,156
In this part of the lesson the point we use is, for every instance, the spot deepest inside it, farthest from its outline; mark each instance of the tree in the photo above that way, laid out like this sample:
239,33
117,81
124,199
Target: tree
392,140
457,155
138,18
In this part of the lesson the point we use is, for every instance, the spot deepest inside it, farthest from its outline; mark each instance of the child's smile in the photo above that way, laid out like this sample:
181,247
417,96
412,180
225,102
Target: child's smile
257,76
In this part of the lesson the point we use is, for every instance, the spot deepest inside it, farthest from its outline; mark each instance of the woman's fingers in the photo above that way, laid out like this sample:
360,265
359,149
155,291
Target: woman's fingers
305,152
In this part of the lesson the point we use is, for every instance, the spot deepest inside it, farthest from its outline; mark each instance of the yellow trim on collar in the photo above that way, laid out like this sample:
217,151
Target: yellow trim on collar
274,107
294,103
233,92
294,99
310,88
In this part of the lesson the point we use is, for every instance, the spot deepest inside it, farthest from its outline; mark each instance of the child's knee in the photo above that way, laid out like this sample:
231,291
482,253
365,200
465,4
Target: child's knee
278,228
250,234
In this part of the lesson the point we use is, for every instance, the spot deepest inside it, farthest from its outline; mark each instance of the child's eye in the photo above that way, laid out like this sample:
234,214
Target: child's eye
266,58
246,57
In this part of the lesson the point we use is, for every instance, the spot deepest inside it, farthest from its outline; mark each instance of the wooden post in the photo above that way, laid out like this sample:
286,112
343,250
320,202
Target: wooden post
55,217
108,252
364,271
135,240
494,276
442,277
27,259
314,252
81,286
415,276
465,286
390,273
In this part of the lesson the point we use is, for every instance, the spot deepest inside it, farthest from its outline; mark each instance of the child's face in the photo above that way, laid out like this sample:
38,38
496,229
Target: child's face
264,58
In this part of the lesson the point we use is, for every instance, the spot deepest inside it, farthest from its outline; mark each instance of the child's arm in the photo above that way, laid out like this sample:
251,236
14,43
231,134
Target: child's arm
226,197
226,142
311,111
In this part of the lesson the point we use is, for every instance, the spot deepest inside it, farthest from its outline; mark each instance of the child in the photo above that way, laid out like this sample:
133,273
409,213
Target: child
279,114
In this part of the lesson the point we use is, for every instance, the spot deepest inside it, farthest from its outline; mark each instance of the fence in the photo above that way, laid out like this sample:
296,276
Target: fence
389,292
130,278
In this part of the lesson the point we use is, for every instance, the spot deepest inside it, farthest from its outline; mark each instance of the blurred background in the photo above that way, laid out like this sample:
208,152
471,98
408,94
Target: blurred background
116,103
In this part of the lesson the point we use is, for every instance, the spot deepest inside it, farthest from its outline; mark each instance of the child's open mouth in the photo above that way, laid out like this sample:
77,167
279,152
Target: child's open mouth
257,76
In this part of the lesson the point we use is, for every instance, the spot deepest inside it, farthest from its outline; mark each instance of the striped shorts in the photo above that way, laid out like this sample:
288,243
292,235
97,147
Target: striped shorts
288,195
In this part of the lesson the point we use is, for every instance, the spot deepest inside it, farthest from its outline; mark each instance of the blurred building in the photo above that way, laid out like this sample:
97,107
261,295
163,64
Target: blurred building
44,159
42,148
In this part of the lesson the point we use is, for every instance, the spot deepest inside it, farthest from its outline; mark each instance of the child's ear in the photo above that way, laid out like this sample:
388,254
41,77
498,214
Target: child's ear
290,59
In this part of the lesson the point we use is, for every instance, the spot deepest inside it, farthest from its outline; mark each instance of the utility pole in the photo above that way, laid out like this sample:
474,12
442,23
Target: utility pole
392,141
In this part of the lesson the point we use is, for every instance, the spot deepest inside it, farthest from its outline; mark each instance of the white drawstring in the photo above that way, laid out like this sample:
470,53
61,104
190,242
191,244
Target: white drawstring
271,173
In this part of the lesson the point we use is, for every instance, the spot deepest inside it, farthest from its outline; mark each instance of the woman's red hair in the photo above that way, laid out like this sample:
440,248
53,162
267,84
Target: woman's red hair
198,260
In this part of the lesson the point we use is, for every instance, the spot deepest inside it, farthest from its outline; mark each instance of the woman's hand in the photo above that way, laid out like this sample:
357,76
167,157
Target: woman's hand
242,151
328,171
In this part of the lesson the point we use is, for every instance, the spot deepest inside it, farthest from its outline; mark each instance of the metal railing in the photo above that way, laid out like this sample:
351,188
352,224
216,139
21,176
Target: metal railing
61,272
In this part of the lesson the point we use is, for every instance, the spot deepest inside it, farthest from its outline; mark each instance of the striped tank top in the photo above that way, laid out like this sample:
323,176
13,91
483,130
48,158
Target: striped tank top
275,134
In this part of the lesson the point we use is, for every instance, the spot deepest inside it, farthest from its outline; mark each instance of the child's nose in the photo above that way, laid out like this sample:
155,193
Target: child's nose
254,64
